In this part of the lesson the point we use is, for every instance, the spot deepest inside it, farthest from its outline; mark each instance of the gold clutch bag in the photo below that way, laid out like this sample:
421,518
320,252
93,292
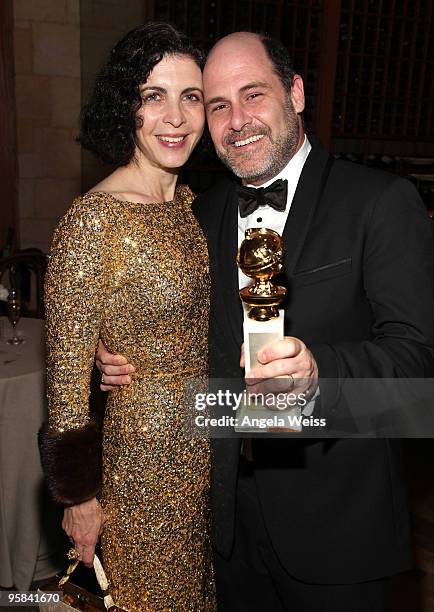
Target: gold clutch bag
75,597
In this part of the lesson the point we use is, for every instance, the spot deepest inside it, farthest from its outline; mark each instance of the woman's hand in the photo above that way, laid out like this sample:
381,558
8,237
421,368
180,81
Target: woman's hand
83,524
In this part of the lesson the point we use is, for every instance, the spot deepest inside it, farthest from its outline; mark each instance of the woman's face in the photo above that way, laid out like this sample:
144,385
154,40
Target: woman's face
172,112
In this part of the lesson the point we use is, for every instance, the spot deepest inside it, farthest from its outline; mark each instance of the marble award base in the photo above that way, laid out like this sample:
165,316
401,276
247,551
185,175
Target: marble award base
259,333
256,416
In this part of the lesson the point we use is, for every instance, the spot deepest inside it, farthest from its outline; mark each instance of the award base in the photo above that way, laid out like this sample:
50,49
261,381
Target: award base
255,417
259,333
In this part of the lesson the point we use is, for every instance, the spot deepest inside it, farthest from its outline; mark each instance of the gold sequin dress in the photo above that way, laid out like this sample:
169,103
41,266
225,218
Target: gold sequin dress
136,275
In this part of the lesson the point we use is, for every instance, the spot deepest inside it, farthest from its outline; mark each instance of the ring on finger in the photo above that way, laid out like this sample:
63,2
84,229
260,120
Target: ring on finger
102,378
73,553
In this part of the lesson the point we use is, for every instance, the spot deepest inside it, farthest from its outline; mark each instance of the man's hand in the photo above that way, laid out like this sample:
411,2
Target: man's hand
83,524
114,368
283,367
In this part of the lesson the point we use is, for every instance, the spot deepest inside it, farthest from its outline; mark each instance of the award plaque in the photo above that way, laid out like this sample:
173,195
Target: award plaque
260,257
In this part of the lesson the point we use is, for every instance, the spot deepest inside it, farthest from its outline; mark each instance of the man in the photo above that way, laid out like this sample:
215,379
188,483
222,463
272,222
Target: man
308,525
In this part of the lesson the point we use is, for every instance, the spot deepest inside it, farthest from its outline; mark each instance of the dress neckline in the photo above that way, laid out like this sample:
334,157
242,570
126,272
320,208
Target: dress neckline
112,197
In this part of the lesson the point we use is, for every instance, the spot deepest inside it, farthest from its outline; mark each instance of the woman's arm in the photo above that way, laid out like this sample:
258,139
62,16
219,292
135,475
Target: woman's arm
75,292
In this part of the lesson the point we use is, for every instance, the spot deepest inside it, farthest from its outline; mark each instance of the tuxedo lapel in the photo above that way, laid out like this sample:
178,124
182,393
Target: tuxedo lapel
227,270
307,195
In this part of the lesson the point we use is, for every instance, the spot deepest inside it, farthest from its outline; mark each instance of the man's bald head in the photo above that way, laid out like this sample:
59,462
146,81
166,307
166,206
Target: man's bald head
242,38
258,43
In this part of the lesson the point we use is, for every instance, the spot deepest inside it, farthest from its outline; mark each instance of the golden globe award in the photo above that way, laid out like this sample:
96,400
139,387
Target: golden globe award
260,257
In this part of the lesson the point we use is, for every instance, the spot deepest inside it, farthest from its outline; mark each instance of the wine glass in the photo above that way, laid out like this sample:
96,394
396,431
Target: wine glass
14,312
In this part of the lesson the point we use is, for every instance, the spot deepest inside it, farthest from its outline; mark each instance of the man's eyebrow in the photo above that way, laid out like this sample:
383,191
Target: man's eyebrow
214,100
254,85
242,89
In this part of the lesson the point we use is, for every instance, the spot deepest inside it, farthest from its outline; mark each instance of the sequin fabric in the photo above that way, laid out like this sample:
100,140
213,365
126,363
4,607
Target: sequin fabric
136,275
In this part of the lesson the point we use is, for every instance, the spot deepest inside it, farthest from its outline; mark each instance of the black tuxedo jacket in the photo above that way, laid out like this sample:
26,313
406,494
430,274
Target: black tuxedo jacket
358,270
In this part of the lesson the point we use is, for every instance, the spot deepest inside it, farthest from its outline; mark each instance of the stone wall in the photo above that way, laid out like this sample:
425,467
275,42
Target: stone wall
48,89
102,24
59,46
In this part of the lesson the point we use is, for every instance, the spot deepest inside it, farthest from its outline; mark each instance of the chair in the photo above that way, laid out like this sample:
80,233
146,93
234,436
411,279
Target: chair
25,271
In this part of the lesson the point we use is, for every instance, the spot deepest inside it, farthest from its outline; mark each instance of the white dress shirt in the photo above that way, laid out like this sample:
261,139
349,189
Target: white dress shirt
266,216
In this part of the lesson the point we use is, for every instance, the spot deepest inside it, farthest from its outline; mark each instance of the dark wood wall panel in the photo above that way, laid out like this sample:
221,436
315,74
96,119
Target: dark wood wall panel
295,22
325,74
8,150
367,66
385,63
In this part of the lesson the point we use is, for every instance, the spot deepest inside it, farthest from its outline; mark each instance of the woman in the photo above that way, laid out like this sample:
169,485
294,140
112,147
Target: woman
129,264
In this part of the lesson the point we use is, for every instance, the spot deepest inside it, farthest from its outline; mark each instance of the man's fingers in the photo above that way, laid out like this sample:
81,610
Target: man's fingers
116,370
115,376
278,367
117,380
287,347
111,382
279,386
117,360
103,356
270,386
108,387
101,352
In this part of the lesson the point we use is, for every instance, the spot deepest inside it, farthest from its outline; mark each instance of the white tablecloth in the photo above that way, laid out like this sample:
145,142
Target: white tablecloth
30,532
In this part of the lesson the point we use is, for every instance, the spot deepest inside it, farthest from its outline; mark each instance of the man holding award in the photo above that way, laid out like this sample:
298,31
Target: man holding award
308,524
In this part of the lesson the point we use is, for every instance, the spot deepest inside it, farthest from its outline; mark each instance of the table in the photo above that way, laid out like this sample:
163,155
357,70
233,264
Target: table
30,524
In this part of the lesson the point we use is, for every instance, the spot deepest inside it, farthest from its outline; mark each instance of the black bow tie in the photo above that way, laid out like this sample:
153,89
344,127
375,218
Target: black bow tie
274,195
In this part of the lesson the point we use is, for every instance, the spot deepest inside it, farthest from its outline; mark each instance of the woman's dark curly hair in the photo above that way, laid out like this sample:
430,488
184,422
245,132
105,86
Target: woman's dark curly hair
109,120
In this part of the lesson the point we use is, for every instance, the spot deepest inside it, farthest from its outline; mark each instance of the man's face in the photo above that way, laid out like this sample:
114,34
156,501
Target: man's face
253,121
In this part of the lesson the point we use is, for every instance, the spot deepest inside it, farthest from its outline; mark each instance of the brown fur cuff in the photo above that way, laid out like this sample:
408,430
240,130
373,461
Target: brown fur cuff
72,464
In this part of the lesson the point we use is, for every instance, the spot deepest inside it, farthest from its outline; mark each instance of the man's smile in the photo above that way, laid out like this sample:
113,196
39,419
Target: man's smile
249,140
